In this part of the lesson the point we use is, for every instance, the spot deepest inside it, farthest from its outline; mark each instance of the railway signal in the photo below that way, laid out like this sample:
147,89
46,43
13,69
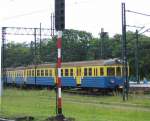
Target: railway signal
59,15
59,26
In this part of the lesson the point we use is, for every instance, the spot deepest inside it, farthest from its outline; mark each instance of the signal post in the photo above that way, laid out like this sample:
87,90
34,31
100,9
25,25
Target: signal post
59,26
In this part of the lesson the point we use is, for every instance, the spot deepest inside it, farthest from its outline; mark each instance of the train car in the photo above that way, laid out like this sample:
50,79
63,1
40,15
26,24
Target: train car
101,74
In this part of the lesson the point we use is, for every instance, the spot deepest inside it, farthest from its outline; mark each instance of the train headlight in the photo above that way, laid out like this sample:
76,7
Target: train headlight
112,81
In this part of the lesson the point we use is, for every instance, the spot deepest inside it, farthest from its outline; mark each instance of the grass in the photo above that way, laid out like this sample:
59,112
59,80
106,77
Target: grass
41,104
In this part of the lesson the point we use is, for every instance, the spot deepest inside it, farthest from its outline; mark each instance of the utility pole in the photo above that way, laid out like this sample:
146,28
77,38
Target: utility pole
125,64
3,73
40,41
4,79
52,24
102,43
137,57
35,54
102,37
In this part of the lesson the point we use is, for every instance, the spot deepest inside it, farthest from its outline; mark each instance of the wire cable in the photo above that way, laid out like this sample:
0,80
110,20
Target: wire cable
25,14
138,13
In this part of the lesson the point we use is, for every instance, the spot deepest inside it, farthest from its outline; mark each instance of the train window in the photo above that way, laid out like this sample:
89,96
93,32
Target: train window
78,71
66,72
24,73
124,71
101,71
33,73
71,72
110,71
90,71
18,74
62,74
46,72
42,72
50,72
38,72
85,71
118,71
29,72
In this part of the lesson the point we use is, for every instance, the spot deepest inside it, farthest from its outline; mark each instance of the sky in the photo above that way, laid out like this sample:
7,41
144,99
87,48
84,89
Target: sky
87,15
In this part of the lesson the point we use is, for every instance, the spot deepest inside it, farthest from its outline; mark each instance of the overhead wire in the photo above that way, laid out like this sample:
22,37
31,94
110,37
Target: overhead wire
25,14
138,13
37,11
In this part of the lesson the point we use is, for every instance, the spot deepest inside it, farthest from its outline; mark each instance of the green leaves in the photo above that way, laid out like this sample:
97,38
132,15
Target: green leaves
80,46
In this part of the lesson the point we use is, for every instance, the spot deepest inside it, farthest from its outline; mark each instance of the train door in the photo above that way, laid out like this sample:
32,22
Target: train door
25,75
78,75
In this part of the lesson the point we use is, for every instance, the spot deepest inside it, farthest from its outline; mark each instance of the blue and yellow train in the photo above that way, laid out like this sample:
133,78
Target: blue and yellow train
100,74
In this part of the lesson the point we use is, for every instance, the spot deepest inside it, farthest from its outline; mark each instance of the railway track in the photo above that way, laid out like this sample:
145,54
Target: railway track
92,92
2,119
139,88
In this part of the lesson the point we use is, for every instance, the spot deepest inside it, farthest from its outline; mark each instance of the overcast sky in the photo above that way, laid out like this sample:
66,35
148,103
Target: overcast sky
88,15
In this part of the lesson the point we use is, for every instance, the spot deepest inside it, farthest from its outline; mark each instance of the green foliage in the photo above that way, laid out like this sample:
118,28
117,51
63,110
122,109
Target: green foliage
79,46
17,54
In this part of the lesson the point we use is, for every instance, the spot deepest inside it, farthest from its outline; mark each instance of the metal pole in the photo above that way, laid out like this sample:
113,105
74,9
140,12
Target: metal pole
137,58
122,7
4,79
59,46
125,64
35,54
40,40
53,27
3,61
101,35
51,24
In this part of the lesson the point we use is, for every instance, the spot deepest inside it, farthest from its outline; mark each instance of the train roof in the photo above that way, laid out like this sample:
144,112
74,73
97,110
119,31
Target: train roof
101,62
93,62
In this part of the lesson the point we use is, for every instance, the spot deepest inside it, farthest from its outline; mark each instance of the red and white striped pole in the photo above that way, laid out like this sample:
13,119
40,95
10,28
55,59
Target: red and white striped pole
59,46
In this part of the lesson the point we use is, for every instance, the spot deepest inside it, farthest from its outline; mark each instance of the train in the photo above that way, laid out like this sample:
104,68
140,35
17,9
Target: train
97,74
